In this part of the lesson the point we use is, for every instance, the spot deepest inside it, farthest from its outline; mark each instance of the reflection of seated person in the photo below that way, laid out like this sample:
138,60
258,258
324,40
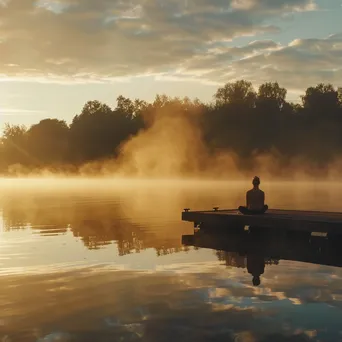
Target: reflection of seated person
256,267
255,199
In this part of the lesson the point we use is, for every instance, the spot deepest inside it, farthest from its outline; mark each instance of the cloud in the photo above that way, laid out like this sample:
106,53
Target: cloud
104,39
301,63
17,111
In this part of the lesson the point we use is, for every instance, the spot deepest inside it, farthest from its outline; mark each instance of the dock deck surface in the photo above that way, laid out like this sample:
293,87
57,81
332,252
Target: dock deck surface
288,219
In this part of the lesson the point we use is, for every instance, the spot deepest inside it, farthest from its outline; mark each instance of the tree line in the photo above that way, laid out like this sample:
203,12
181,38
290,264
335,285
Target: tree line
239,119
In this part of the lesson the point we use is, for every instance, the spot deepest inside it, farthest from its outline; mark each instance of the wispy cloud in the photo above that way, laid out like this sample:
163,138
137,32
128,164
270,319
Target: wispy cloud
18,111
87,41
301,63
81,39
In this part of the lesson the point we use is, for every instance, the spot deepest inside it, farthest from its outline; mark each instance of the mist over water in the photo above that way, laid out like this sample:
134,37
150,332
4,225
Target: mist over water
89,259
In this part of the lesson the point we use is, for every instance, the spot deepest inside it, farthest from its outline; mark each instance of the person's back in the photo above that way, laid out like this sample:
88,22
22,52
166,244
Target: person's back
255,200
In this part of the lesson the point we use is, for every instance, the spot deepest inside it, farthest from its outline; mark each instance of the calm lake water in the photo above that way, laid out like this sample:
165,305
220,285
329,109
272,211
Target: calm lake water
102,260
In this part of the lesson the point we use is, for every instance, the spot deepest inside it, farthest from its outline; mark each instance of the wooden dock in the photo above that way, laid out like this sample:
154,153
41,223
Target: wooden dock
295,220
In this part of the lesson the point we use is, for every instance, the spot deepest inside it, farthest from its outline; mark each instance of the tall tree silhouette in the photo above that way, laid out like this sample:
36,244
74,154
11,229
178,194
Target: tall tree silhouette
238,92
270,108
98,131
239,119
14,145
322,99
48,142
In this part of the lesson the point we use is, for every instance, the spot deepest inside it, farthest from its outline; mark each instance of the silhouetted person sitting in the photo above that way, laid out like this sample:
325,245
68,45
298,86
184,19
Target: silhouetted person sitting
255,200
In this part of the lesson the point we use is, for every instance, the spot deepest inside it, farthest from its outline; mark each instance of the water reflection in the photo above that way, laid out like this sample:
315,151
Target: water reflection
96,223
100,305
254,250
99,264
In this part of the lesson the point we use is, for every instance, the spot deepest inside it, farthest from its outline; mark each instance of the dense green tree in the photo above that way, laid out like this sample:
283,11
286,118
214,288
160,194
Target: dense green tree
271,108
14,145
239,119
98,131
322,99
339,92
271,95
239,92
132,110
48,142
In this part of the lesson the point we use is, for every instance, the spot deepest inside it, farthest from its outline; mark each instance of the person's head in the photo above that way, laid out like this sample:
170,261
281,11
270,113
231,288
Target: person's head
256,280
256,181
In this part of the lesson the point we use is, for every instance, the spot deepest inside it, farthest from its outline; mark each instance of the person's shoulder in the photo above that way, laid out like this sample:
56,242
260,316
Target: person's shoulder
260,191
250,191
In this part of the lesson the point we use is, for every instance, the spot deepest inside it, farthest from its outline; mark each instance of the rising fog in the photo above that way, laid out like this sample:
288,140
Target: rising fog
173,148
242,134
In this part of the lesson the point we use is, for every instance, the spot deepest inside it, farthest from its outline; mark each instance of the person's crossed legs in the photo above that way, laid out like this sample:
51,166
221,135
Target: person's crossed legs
246,211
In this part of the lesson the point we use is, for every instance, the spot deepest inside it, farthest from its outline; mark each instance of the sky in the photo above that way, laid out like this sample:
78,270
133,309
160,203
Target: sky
56,55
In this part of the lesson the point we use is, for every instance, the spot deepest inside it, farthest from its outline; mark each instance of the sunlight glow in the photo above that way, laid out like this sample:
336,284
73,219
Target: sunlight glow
1,224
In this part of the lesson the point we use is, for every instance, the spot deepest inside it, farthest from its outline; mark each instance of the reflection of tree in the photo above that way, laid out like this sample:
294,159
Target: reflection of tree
170,250
130,244
231,258
21,212
270,261
97,224
236,259
129,238
107,228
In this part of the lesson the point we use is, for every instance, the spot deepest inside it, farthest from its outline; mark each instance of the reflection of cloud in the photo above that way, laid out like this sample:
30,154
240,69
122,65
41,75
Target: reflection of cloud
295,301
187,267
152,305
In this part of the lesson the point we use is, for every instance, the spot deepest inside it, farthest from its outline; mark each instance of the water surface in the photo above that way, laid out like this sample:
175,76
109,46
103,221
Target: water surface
102,260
